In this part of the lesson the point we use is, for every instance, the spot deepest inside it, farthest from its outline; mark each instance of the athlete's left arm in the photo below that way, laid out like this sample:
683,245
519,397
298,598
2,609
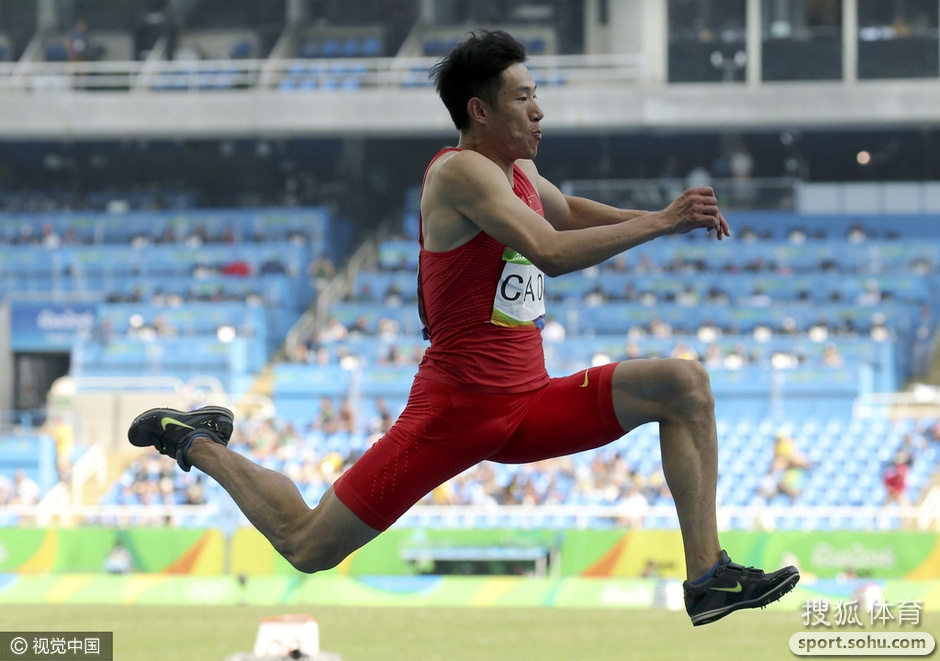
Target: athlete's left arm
566,212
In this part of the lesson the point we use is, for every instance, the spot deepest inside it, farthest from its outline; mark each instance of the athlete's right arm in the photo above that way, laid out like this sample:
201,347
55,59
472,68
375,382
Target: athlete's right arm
471,185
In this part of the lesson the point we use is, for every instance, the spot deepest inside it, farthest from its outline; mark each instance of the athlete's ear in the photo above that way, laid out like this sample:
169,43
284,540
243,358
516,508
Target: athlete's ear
476,109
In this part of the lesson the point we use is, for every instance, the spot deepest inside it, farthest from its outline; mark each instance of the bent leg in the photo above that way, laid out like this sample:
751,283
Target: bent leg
310,539
677,394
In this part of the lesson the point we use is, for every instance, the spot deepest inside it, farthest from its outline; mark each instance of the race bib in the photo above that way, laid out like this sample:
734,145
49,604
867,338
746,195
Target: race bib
520,295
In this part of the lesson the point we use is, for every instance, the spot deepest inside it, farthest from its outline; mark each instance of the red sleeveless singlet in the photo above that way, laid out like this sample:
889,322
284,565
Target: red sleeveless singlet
483,308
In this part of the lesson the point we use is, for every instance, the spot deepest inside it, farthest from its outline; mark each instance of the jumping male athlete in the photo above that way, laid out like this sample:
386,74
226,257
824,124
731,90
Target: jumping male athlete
492,229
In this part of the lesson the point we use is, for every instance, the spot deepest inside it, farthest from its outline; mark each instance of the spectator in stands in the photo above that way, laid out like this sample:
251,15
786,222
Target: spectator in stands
922,346
646,266
393,295
361,327
796,235
195,492
334,331
698,177
742,167
787,481
25,489
895,478
118,560
736,357
660,329
708,331
758,298
64,438
713,357
492,230
327,418
831,356
347,417
688,297
787,452
25,237
156,22
595,296
383,419
684,351
388,329
50,238
634,506
818,330
870,295
554,330
648,298
717,296
6,489
321,271
670,183
856,233
618,264
79,45
168,235
163,327
787,469
196,237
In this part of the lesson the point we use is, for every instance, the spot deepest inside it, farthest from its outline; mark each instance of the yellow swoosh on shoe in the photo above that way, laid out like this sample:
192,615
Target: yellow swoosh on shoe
164,422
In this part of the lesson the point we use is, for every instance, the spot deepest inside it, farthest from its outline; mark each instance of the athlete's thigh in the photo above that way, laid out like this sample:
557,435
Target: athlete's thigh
442,432
571,414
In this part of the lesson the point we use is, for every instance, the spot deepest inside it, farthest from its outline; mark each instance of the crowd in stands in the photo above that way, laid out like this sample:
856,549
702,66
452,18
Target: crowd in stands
610,476
20,490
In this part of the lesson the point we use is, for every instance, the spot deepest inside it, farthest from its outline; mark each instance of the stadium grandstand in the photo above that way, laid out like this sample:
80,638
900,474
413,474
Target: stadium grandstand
208,201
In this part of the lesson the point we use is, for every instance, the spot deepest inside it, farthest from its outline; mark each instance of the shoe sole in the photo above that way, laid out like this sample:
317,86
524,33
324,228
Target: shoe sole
716,614
146,442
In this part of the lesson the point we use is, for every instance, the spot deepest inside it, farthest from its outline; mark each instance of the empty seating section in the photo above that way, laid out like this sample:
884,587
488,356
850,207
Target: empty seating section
334,59
183,293
439,42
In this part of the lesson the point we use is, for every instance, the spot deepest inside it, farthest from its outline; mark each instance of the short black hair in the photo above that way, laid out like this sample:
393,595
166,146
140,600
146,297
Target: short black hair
474,68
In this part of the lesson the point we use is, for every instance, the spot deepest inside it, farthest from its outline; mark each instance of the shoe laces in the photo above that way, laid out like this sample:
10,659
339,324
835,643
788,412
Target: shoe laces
746,572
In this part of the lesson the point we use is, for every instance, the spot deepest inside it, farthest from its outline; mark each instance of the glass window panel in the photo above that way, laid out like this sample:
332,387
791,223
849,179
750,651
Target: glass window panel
898,39
707,40
802,39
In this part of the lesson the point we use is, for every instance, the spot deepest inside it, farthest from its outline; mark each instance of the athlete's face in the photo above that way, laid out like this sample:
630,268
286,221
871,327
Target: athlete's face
515,120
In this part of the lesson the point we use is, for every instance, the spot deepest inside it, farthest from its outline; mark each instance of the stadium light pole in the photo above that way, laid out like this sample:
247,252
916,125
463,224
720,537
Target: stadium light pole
849,41
753,43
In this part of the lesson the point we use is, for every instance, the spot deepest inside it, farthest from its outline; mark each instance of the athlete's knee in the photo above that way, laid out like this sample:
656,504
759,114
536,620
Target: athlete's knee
691,385
309,548
311,556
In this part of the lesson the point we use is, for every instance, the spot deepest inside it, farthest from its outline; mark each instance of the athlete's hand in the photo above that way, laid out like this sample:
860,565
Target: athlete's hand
696,208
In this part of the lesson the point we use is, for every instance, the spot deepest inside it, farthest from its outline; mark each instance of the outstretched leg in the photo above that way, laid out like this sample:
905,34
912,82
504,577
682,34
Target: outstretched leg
677,394
310,539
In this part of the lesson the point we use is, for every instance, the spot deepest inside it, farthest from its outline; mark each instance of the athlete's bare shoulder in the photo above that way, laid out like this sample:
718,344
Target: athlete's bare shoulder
455,166
443,226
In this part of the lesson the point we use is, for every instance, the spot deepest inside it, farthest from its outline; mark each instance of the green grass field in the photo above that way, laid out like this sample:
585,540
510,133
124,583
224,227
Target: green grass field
194,633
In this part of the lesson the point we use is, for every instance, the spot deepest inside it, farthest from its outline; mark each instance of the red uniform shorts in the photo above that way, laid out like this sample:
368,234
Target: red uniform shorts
444,430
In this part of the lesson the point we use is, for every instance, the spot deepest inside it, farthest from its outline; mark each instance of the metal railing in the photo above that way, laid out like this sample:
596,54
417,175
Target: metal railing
771,193
923,517
213,75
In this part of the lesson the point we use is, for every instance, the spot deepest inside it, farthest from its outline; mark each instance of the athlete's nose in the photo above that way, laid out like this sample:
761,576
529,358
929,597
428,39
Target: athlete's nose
537,113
